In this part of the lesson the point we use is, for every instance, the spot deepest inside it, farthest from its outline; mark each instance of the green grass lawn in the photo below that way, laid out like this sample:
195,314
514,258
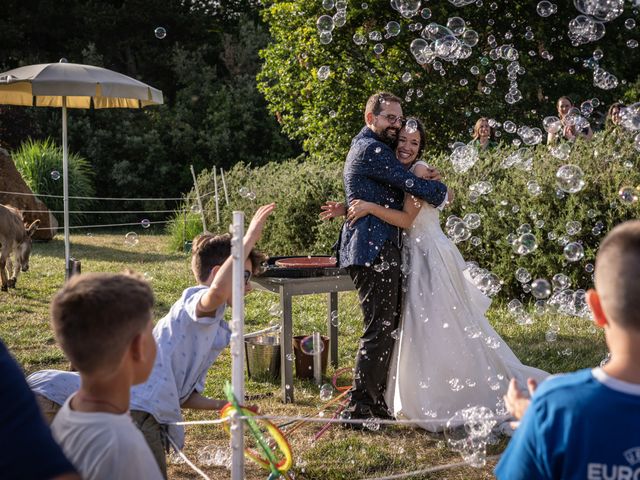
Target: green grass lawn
339,454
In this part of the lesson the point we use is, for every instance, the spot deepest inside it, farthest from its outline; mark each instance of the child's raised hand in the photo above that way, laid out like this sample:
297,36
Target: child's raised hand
259,219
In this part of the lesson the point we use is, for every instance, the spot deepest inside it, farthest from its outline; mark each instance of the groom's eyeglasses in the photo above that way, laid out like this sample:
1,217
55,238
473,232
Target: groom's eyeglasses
392,119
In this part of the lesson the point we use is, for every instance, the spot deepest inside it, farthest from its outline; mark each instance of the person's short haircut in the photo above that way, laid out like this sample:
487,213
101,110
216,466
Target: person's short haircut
376,102
616,275
95,316
209,250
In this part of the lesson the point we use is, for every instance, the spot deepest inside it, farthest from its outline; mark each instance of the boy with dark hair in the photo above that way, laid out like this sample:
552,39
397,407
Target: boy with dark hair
586,425
190,338
103,323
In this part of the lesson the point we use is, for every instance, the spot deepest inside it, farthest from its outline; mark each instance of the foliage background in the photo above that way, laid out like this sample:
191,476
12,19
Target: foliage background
300,186
325,114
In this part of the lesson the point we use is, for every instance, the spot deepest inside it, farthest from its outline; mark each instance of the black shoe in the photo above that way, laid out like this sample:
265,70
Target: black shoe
362,419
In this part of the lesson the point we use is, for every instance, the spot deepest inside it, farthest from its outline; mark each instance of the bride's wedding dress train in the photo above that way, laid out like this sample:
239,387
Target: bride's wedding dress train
447,356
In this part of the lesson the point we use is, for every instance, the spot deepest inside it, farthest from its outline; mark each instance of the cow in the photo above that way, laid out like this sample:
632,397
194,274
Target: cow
15,238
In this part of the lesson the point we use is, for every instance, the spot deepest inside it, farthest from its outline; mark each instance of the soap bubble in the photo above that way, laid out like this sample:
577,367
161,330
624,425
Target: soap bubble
545,8
55,175
525,244
392,28
326,392
523,275
131,239
570,178
160,32
628,195
472,220
145,223
328,4
573,227
540,288
456,25
325,23
560,282
196,209
323,73
552,124
630,24
308,347
573,252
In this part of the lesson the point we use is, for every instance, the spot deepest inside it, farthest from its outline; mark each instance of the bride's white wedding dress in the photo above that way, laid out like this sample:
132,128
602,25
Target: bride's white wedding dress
447,356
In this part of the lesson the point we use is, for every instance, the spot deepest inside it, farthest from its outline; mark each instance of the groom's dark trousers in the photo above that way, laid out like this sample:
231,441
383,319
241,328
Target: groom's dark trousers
379,290
369,250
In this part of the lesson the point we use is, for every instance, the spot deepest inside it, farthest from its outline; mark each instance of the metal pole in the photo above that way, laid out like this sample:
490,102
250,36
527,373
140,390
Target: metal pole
195,186
224,187
65,190
237,343
215,192
317,358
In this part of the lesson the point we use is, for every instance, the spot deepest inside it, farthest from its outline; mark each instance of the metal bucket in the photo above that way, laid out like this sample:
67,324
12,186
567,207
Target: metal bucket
263,357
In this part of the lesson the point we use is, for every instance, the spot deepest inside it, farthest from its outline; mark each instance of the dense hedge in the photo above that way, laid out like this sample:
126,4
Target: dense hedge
609,162
298,186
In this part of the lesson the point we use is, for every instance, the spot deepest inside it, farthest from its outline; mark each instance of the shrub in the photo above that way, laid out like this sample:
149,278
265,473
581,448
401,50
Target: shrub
298,186
40,164
609,162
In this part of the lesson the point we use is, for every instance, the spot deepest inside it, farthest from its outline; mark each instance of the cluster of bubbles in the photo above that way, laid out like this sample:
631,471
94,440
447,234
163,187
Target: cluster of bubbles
469,431
476,190
327,23
459,229
450,43
213,456
486,281
463,157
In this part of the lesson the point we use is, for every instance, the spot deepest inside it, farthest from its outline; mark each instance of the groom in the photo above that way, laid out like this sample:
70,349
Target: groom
370,249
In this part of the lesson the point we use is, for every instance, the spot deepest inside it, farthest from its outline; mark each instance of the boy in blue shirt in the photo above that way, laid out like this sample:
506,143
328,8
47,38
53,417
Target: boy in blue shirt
586,425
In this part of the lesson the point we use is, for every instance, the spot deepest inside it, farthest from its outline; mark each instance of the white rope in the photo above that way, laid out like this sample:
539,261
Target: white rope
378,421
187,461
101,211
100,198
202,422
428,470
105,225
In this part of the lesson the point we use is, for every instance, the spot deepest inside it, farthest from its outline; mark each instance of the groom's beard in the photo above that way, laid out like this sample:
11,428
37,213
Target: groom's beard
389,135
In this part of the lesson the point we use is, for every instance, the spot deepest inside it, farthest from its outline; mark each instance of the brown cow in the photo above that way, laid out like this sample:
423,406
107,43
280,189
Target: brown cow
15,238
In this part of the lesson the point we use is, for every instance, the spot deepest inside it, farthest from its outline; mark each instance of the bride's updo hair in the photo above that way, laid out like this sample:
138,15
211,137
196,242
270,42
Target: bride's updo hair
421,130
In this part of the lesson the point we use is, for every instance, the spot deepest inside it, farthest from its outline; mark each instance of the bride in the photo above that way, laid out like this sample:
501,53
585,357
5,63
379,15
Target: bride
447,357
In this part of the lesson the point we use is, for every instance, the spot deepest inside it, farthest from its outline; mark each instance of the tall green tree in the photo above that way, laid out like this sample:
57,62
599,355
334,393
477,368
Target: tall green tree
325,114
205,66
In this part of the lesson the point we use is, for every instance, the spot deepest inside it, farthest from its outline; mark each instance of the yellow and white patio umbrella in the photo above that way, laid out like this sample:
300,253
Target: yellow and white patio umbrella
71,85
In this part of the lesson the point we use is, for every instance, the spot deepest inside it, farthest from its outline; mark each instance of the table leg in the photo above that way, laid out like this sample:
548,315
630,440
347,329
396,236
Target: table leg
332,326
286,347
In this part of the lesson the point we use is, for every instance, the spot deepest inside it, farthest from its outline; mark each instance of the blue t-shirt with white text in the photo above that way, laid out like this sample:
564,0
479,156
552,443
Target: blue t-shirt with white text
583,425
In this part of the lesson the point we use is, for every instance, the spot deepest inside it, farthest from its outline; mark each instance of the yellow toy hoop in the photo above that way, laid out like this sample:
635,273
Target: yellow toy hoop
283,445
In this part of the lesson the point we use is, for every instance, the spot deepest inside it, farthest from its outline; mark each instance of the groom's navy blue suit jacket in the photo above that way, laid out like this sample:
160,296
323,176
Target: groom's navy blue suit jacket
373,173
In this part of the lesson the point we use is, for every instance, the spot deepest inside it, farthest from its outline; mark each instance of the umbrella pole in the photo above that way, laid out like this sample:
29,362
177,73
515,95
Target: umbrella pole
65,189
